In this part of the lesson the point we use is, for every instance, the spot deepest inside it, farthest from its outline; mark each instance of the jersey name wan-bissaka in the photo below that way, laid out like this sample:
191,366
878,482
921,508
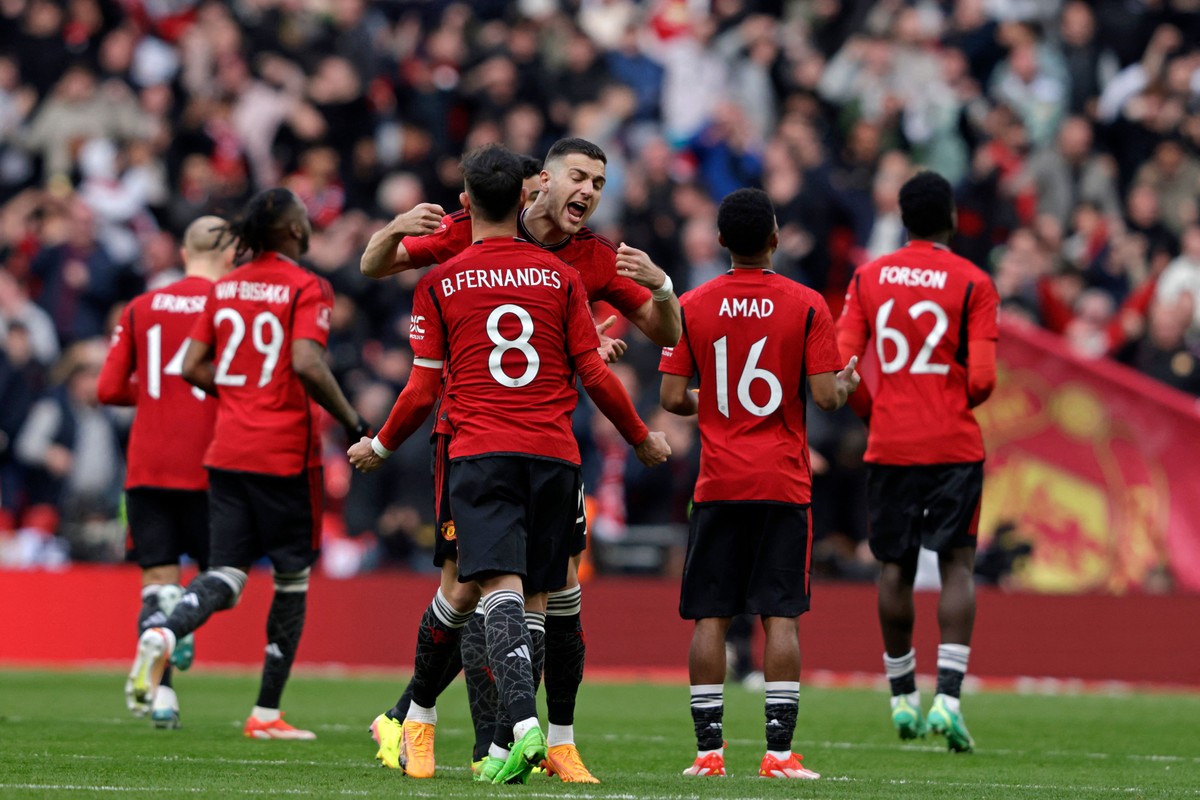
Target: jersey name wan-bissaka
255,291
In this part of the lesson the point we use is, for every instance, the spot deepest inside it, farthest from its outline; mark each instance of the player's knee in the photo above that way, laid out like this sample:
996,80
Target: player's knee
233,578
292,582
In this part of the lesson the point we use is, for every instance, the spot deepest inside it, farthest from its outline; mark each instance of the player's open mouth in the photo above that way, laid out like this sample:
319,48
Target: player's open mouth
576,211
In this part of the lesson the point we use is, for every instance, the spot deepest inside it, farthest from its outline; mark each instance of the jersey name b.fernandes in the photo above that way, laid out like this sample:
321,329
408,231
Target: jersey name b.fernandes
753,337
266,422
919,308
507,319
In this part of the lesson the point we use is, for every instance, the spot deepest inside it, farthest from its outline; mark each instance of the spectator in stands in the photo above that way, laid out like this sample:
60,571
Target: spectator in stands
1165,353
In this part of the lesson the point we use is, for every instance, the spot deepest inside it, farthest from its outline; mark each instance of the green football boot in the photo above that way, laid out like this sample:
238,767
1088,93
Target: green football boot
907,719
526,753
944,722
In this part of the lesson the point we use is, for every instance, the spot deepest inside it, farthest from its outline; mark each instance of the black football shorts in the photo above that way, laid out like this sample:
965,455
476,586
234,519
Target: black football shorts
254,515
935,506
165,524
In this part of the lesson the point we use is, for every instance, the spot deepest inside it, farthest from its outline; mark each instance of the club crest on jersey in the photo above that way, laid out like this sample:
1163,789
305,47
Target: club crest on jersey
448,532
746,307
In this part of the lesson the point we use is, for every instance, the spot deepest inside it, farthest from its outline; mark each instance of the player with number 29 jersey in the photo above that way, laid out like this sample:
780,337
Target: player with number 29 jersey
921,306
754,337
266,422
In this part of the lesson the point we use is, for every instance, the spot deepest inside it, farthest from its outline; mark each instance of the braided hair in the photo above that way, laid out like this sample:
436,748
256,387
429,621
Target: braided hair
261,224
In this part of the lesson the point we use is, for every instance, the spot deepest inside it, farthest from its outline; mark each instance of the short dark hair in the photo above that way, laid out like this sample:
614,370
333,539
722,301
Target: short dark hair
493,176
746,221
927,205
564,147
530,166
263,223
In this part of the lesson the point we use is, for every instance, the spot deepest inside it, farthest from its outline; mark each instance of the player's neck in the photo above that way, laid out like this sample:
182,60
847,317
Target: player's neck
942,239
757,262
541,225
203,269
482,229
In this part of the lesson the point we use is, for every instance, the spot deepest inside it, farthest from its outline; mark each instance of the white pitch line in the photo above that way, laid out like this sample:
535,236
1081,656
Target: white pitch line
67,787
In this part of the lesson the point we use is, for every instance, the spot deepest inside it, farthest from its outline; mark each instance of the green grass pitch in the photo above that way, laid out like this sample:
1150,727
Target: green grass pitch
67,734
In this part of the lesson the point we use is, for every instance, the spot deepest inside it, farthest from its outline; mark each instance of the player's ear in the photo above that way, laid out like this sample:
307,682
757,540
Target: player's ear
524,197
183,256
721,240
773,242
464,200
545,179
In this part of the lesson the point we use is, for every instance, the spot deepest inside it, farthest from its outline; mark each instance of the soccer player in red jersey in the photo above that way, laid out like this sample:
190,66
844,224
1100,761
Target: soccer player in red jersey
752,338
569,189
511,320
166,498
258,348
931,317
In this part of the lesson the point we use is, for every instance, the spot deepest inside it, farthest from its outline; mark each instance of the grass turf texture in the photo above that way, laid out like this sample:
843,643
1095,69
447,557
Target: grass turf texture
67,734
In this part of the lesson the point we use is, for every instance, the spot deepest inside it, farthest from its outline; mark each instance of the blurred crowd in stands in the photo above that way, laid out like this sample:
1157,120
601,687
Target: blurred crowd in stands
1071,131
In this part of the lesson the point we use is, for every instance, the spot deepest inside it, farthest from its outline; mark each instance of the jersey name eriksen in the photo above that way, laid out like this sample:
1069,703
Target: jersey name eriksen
500,278
178,304
255,291
746,307
910,276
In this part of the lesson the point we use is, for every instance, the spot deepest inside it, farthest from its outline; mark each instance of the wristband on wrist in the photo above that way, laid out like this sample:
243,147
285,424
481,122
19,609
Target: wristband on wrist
664,292
360,429
379,449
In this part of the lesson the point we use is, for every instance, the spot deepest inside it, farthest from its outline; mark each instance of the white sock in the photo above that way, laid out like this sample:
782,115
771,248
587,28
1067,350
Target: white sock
496,751
781,755
703,753
265,714
523,727
421,714
560,734
952,703
914,699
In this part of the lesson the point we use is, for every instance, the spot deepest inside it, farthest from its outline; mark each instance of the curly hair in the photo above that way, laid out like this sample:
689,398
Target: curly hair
262,223
746,221
927,205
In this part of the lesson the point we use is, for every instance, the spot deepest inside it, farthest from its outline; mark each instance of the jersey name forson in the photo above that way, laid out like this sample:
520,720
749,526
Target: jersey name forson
910,276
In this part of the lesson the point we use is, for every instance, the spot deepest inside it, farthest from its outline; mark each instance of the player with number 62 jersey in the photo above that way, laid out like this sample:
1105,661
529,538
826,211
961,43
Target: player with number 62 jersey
920,307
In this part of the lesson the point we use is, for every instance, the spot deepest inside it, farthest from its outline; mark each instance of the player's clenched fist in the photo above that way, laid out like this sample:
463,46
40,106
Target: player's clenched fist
654,449
637,266
363,457
419,220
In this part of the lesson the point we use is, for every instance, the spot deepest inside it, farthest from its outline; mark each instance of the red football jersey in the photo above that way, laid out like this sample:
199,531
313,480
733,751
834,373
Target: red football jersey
507,318
174,421
594,256
265,420
753,337
919,307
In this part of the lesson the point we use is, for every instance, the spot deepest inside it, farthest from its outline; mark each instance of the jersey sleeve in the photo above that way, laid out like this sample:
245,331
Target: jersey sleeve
114,386
450,239
203,330
677,360
426,331
314,307
852,328
581,328
983,322
821,348
624,294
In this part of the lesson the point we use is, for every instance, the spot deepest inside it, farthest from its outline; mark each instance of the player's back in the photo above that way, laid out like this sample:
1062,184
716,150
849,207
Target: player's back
266,422
752,334
919,305
174,420
512,315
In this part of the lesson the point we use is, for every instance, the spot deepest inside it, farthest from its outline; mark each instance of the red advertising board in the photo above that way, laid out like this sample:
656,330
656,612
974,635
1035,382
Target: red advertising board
1095,464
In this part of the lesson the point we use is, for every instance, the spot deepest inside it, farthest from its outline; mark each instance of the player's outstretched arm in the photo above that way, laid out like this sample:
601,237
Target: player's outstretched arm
830,389
198,368
385,253
410,411
610,397
308,362
674,396
658,317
